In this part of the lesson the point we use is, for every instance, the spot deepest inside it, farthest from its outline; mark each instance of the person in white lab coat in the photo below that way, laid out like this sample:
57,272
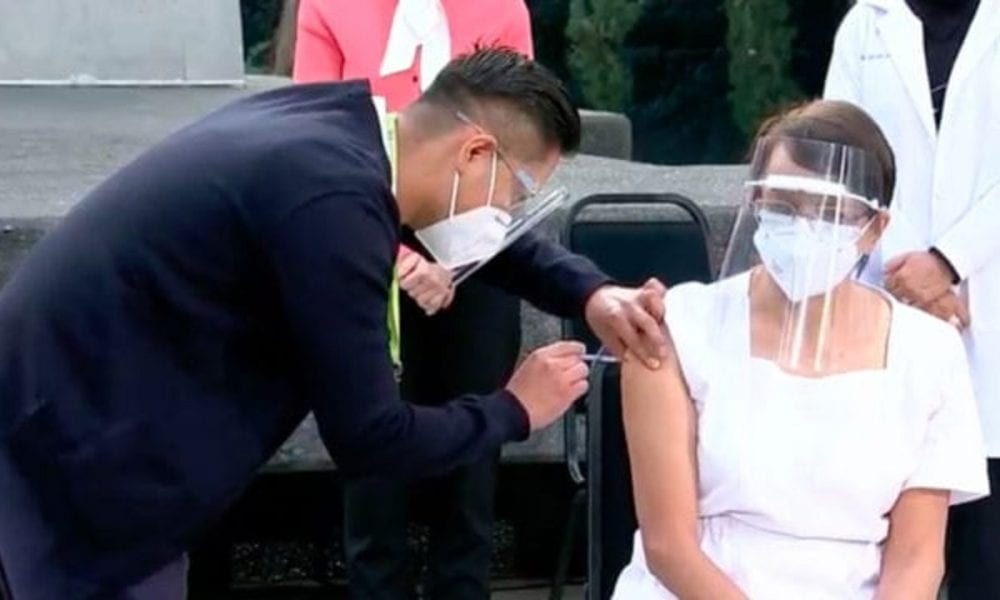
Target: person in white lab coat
928,71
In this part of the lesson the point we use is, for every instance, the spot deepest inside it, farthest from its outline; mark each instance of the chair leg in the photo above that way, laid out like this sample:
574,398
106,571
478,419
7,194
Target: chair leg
566,552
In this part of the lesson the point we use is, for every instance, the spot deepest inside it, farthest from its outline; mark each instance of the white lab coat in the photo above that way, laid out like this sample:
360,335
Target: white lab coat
948,181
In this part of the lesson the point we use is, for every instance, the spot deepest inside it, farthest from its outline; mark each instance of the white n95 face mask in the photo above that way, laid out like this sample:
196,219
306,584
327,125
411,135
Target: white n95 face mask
468,237
806,258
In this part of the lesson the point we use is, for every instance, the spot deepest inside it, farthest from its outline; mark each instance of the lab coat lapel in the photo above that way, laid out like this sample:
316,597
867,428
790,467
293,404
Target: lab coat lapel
982,35
904,39
965,100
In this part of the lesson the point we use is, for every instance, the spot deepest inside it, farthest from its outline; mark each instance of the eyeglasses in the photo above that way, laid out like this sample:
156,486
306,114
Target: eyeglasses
529,187
789,205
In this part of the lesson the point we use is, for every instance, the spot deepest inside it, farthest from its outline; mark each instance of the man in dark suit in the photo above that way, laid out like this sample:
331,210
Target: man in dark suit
165,338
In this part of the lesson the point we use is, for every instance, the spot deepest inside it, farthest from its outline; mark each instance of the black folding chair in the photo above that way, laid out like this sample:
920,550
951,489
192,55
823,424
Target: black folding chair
672,246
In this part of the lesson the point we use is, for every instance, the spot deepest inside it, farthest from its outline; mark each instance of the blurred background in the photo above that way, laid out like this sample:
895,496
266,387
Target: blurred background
694,76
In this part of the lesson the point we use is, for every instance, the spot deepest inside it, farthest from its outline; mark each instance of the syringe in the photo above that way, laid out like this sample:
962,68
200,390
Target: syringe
600,358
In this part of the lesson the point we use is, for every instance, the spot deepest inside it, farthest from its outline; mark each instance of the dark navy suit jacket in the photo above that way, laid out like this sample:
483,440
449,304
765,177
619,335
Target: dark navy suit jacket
165,338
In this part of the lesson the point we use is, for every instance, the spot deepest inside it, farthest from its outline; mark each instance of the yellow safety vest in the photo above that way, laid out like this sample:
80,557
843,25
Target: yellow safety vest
390,126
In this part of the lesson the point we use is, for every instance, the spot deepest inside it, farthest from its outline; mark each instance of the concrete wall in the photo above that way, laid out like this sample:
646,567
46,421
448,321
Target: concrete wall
114,41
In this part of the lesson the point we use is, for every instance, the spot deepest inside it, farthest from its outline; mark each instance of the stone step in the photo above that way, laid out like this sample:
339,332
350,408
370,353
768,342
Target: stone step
150,42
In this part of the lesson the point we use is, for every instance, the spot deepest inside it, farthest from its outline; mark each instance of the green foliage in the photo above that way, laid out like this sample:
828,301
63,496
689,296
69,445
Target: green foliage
259,20
257,58
693,75
596,31
759,39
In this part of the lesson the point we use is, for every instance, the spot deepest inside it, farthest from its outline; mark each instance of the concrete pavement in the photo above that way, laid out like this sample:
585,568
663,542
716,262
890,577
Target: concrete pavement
58,142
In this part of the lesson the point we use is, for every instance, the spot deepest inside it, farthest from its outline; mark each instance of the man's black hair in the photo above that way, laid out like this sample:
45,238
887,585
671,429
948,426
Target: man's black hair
499,74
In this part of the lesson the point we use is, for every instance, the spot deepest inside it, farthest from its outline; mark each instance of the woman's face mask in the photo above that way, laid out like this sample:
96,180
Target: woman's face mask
471,236
807,257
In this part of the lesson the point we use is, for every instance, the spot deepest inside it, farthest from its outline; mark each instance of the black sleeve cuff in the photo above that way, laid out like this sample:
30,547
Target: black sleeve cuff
955,277
511,413
588,287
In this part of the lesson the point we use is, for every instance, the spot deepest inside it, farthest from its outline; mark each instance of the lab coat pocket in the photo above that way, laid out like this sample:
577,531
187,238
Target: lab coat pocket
984,297
108,486
881,84
984,355
993,95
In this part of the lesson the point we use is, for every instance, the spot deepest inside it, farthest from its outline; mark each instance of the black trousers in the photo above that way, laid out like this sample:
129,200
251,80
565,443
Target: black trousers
461,535
973,551
470,348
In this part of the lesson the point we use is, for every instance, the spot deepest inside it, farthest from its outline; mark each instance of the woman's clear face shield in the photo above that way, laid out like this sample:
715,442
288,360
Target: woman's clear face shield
810,216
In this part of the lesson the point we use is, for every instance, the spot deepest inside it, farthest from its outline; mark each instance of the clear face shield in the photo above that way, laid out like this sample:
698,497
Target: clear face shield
523,217
808,221
466,241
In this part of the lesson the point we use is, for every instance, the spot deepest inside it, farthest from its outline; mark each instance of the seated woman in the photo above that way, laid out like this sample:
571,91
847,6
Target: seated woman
809,434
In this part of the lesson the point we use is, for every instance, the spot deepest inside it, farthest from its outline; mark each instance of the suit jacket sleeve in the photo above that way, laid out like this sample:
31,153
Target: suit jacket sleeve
545,274
332,258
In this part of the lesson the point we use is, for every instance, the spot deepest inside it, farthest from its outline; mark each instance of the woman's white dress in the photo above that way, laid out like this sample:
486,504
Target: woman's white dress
797,475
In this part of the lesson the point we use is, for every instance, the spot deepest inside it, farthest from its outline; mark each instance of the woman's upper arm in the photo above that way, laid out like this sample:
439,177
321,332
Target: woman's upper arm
317,54
913,558
660,427
918,520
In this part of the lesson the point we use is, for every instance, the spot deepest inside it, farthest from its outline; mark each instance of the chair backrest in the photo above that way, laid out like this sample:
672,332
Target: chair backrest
671,243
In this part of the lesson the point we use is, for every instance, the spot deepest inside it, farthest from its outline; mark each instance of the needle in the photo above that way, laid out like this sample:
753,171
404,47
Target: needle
600,358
